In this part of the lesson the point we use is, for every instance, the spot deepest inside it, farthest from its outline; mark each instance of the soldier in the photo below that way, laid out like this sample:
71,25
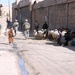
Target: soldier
26,26
15,26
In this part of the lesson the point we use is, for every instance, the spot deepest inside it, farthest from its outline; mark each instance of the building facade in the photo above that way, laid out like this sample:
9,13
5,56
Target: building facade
57,13
22,9
3,18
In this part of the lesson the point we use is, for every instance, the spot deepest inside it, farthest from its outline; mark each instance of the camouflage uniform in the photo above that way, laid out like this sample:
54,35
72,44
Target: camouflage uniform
26,26
15,26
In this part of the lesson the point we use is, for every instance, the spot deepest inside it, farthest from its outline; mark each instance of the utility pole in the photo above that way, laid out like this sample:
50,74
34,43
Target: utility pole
9,8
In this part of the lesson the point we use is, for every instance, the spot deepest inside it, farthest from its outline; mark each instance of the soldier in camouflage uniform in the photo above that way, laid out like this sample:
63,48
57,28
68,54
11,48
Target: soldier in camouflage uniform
26,26
15,26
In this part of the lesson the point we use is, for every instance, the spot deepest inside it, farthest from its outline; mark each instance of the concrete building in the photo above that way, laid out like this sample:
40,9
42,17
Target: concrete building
4,16
22,9
57,13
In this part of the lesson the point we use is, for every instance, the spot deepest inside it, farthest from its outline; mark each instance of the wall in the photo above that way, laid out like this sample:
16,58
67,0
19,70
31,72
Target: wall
39,15
57,16
59,13
3,18
71,16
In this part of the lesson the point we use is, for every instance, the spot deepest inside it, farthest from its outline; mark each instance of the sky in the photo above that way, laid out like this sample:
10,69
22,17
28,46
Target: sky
5,2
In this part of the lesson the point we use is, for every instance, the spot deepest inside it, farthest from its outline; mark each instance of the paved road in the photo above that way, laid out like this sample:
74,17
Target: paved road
43,57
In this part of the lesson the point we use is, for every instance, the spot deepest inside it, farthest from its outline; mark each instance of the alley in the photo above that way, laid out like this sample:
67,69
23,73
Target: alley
41,57
31,56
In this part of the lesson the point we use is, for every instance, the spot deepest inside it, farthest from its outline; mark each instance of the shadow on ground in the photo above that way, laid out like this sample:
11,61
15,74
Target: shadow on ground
52,43
55,44
4,43
19,38
71,48
23,38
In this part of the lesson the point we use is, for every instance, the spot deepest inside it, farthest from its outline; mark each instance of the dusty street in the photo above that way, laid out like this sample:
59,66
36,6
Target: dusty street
31,56
41,57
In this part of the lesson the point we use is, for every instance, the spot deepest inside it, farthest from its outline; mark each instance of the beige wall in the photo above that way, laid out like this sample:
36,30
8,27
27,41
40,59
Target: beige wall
5,11
57,16
3,18
60,14
71,16
39,15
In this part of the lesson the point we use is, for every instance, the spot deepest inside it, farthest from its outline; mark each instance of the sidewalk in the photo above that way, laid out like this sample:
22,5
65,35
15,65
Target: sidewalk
8,59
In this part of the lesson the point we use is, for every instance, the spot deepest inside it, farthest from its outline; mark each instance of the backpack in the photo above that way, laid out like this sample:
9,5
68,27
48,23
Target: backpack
27,26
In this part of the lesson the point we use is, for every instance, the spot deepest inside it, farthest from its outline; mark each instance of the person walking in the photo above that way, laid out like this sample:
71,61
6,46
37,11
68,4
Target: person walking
26,26
10,35
15,26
